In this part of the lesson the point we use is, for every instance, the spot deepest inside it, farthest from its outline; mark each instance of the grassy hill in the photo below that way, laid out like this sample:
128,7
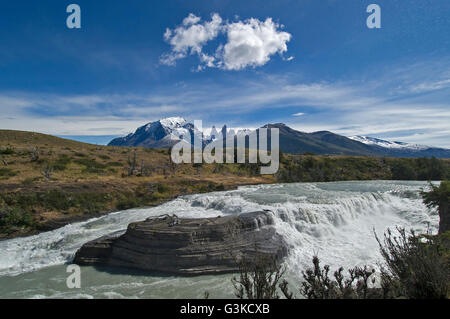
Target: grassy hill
47,182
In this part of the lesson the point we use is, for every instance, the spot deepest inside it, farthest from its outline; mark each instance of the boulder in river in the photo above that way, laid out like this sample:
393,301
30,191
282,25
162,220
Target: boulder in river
187,246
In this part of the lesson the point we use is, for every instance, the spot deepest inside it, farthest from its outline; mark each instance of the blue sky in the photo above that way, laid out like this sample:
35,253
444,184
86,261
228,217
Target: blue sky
311,64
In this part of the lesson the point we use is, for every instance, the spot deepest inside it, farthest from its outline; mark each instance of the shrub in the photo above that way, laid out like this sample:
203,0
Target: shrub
60,164
128,202
30,180
114,164
91,165
11,218
415,266
440,197
78,154
7,151
403,171
259,279
162,188
7,172
318,284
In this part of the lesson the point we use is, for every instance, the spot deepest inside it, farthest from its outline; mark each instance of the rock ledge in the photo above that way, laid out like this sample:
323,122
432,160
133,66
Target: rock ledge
184,246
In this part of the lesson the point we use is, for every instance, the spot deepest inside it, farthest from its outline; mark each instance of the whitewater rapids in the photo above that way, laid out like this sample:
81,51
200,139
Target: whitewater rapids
335,221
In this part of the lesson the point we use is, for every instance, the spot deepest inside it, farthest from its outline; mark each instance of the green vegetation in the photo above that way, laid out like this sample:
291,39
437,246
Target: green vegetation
439,197
318,284
259,278
78,154
90,165
417,266
25,213
15,219
7,151
60,164
300,168
6,172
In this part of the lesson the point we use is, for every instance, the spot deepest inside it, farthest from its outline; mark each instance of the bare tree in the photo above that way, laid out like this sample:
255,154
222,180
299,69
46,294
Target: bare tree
47,172
34,156
3,161
132,164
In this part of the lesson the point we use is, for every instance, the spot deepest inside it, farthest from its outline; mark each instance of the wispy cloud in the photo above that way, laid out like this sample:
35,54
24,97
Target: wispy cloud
348,108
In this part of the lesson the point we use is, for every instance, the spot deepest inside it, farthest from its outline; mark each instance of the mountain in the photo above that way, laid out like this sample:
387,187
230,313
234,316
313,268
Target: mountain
388,144
321,143
160,134
167,132
401,149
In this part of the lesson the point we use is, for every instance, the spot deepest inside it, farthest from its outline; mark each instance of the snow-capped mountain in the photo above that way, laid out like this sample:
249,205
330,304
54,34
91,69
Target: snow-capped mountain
397,149
388,144
167,132
159,134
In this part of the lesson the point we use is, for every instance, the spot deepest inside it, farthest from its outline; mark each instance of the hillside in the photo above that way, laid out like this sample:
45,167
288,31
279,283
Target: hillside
47,182
321,143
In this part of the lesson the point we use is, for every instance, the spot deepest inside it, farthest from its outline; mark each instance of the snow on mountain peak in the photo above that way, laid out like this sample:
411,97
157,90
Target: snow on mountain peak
173,122
388,144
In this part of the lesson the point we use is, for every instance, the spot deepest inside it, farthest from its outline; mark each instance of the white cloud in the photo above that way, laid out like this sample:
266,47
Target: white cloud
298,114
190,37
249,43
430,86
191,19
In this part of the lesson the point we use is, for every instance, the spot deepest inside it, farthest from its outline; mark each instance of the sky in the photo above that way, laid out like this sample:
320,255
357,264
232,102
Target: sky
311,64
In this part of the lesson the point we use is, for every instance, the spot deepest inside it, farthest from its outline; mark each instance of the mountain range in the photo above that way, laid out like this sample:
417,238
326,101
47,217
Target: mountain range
167,132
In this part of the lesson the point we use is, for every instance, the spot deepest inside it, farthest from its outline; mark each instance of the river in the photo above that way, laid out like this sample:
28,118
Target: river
335,221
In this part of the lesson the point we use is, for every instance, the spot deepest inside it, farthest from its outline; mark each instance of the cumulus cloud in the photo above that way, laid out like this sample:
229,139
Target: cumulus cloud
190,37
249,43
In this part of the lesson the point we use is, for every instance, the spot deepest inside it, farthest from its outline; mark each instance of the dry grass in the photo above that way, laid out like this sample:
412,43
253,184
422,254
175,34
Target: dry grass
32,164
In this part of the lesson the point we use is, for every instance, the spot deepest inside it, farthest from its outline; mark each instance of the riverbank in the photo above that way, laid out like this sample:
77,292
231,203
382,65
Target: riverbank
50,206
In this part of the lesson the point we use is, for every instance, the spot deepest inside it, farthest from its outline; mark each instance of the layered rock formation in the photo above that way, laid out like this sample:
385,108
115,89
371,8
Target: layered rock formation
187,246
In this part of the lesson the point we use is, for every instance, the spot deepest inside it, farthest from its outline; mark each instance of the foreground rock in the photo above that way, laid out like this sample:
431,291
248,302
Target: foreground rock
187,246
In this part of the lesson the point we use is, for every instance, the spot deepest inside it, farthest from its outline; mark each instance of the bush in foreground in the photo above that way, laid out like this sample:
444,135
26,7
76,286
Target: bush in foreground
416,266
259,278
439,197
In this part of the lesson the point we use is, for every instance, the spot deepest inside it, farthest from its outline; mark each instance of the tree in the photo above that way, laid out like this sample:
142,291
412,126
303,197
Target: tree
439,197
